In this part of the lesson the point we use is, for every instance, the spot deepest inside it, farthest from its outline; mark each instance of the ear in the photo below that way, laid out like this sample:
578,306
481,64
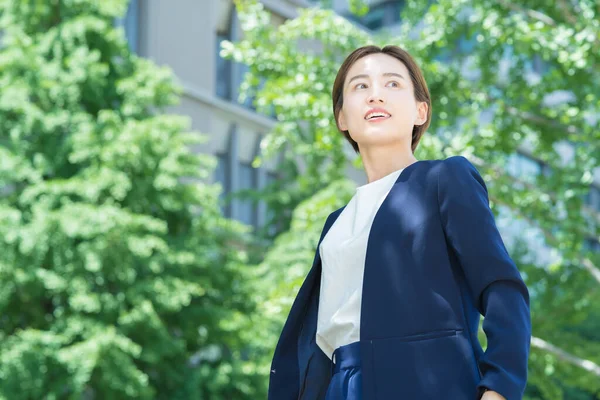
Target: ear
342,121
421,113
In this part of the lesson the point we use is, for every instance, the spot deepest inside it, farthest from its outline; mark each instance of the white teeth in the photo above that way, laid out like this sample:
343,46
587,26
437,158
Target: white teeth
369,116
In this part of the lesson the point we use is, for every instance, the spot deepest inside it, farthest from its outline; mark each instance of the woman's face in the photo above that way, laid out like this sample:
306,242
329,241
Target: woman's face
380,83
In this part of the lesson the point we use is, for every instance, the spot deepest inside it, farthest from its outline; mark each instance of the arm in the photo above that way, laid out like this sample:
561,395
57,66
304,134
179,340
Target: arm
496,285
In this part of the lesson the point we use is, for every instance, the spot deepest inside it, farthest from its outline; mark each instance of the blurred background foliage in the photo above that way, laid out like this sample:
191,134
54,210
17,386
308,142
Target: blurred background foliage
119,275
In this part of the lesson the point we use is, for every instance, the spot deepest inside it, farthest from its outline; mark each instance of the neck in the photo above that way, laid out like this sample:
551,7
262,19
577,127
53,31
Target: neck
380,161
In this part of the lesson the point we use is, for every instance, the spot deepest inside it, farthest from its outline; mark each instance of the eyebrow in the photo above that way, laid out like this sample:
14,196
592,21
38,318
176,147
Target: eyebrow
366,76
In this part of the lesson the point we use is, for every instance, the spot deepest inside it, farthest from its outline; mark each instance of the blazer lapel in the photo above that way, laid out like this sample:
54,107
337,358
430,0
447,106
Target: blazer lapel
313,381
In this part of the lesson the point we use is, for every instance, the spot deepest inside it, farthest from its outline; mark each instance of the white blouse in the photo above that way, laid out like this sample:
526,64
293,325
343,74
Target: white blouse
343,251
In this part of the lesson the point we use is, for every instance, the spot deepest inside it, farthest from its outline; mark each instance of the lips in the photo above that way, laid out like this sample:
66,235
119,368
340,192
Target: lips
376,114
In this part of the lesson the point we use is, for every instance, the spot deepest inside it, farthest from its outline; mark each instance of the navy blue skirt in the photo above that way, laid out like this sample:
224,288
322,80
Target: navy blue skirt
346,379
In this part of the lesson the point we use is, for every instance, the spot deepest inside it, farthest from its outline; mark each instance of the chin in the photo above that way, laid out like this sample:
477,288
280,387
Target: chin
379,142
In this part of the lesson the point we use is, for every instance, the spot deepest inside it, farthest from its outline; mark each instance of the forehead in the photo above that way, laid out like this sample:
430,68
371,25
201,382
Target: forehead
377,64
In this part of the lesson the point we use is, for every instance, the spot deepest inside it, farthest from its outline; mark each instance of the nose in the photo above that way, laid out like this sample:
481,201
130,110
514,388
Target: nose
375,97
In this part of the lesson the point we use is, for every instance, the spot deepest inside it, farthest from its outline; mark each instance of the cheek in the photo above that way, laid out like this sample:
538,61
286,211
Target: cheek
353,111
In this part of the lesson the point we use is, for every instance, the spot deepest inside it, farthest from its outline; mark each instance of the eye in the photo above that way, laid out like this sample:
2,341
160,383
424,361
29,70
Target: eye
359,84
395,83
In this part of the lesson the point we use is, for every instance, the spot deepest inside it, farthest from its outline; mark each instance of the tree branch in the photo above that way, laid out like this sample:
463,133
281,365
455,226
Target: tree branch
567,11
530,13
587,263
572,129
587,365
563,355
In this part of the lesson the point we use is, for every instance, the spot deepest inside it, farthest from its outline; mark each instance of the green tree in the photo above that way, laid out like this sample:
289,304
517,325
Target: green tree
460,46
119,278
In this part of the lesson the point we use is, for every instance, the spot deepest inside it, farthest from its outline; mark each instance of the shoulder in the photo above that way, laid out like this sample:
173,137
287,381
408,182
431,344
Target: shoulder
458,177
456,165
448,169
457,169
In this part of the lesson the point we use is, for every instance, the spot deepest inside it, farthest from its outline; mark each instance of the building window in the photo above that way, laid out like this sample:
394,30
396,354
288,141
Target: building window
247,207
130,23
274,226
222,176
224,82
230,74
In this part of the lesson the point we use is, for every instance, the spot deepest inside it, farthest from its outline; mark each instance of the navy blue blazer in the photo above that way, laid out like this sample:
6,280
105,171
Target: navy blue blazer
435,263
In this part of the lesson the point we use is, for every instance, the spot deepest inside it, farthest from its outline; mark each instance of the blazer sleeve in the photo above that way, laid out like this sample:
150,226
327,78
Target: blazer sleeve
494,280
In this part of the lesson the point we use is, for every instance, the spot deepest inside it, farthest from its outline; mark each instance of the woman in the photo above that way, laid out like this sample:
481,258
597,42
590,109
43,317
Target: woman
391,306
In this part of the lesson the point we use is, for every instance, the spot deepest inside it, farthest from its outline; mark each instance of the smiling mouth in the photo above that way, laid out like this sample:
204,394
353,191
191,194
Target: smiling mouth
378,118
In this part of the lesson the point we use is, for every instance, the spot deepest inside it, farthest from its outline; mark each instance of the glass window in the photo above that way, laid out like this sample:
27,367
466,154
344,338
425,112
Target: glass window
222,175
230,74
223,71
241,70
247,207
274,226
130,23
